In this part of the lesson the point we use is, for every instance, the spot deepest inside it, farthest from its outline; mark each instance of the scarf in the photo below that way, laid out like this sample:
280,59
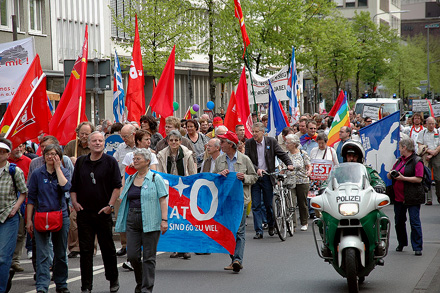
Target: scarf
413,128
306,137
179,163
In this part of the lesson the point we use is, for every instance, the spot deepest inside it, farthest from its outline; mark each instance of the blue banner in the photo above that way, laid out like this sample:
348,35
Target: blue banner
204,213
381,144
111,143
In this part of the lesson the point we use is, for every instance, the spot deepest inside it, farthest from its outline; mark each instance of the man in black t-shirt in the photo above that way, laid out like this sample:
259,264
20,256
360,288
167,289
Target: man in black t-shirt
96,185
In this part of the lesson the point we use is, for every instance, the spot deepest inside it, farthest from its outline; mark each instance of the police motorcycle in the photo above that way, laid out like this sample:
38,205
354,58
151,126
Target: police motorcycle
353,233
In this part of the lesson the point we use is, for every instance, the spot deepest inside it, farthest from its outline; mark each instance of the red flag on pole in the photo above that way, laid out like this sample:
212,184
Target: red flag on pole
162,100
135,99
337,105
73,101
242,101
284,114
232,117
28,114
188,114
239,15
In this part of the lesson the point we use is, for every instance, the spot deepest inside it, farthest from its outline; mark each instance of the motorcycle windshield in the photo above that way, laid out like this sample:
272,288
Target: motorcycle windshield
353,173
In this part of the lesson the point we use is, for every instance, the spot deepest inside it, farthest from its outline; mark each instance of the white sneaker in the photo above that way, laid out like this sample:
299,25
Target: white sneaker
29,254
304,228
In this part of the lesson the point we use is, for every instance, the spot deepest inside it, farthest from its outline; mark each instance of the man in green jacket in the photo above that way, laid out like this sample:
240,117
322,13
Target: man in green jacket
234,161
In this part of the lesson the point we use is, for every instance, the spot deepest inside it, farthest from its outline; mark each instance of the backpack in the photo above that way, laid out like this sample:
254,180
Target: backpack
427,177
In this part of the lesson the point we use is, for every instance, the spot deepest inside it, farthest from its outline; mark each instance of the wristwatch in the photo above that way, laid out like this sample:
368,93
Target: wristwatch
111,207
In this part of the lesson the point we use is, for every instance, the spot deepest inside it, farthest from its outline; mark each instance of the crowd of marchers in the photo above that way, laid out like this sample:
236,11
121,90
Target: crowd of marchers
96,195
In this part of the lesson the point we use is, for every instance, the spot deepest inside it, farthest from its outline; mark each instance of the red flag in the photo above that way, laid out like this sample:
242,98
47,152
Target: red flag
188,114
65,119
242,101
28,114
337,105
162,100
232,117
239,15
135,99
284,114
162,127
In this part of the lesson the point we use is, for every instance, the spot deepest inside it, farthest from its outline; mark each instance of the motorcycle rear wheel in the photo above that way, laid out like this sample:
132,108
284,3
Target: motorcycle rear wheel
351,266
279,217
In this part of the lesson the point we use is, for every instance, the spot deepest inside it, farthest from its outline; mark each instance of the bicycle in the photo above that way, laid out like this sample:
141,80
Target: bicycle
282,207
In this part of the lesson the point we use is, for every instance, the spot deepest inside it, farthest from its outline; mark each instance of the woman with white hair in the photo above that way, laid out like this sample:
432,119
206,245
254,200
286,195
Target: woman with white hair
300,177
143,214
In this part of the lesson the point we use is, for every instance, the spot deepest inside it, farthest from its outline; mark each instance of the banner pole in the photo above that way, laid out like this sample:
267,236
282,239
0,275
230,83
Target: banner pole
148,108
246,62
24,105
77,123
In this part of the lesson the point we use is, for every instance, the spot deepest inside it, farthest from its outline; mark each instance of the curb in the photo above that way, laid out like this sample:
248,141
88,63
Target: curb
430,281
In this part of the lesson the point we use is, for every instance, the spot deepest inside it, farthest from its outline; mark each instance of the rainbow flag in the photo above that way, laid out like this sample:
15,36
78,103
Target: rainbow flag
341,119
431,111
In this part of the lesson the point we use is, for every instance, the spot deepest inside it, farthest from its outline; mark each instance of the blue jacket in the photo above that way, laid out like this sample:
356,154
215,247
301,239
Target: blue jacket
150,194
45,193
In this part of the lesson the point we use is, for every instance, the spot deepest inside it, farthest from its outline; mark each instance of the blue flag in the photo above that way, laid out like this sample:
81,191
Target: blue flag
118,93
292,89
204,213
381,144
276,122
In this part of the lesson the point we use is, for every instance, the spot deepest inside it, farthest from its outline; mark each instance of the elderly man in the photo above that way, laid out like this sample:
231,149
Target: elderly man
213,150
82,131
344,136
262,151
95,188
233,161
429,147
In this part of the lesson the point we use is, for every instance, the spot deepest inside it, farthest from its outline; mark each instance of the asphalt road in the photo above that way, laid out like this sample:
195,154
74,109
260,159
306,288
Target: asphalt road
274,266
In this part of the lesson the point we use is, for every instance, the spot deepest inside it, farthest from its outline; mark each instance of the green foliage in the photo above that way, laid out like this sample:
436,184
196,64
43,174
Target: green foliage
162,24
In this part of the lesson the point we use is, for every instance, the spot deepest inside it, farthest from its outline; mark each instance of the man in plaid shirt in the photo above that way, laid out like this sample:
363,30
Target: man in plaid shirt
9,208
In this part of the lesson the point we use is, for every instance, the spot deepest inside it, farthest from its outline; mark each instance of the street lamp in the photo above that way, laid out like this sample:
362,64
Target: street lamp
391,12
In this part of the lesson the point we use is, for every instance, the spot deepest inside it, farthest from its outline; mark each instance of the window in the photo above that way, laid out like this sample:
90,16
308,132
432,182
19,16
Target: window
362,3
7,9
350,3
35,12
339,3
4,6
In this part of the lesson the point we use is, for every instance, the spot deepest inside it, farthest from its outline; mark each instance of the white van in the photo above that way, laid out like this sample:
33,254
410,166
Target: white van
388,105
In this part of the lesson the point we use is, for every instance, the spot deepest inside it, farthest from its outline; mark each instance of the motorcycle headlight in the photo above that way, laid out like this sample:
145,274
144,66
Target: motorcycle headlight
348,209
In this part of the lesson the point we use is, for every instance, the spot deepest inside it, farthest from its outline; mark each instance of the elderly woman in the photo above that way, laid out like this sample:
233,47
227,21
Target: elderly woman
300,176
149,123
47,187
176,159
142,215
142,140
198,139
322,151
407,175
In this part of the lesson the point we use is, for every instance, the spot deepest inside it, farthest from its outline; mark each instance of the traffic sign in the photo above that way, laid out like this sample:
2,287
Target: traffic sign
424,82
434,25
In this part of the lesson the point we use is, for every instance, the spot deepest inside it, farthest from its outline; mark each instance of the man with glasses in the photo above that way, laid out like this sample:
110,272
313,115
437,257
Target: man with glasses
367,121
82,131
308,140
344,136
96,184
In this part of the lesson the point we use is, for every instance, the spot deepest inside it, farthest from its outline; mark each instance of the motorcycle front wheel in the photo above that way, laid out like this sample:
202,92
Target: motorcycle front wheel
351,270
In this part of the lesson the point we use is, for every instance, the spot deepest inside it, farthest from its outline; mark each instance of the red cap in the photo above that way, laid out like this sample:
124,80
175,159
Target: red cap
229,135
217,121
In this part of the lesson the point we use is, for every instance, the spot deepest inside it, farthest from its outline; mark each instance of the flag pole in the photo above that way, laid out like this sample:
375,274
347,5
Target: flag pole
24,105
148,108
77,123
246,62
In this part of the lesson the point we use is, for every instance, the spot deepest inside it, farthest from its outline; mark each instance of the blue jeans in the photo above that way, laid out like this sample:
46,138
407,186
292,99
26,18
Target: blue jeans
262,186
414,220
43,248
241,240
8,239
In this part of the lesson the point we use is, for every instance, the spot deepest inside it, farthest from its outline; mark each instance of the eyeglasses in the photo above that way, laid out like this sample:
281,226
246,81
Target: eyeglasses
50,154
368,121
174,140
93,177
127,135
137,159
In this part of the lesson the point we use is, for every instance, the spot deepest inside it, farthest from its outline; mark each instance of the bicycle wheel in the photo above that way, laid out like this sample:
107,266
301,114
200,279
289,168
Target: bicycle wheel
290,212
279,216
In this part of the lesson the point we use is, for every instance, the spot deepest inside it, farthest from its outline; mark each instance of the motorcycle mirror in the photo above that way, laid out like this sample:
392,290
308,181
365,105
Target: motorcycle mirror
335,184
